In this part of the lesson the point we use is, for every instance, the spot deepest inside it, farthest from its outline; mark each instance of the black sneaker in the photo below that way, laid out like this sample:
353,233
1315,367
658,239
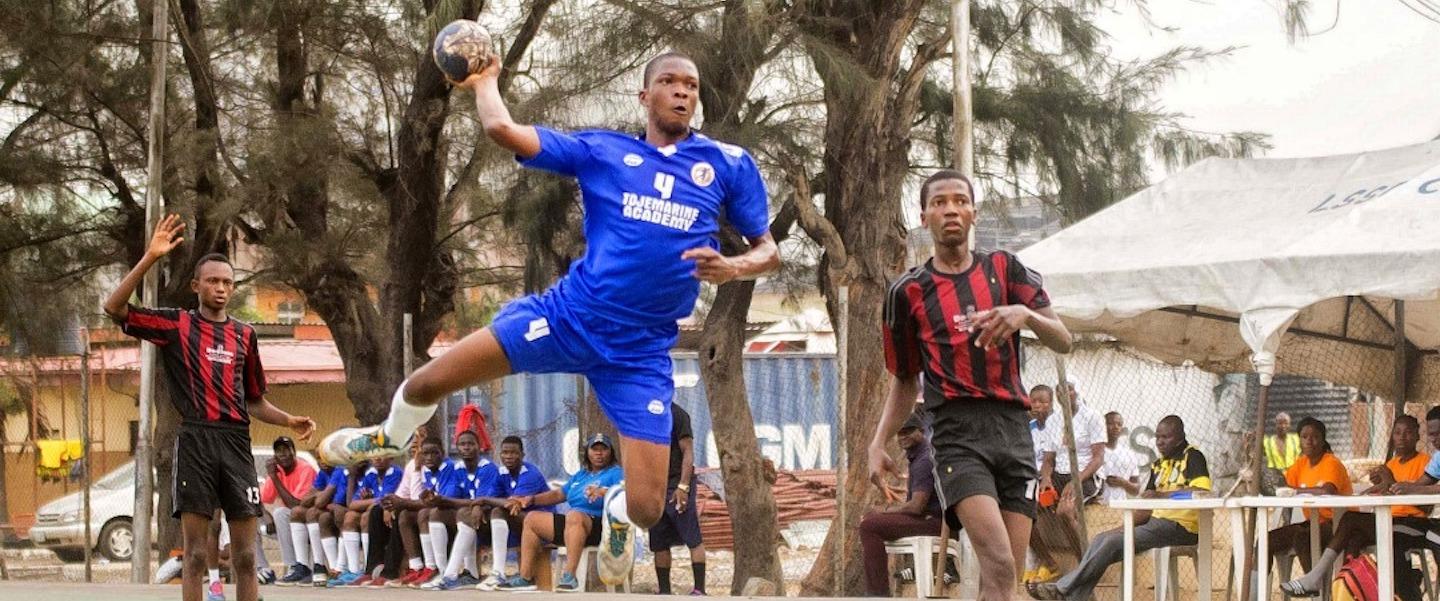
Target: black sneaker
297,576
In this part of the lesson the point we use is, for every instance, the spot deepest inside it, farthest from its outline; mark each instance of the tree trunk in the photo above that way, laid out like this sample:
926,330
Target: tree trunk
167,425
870,102
728,67
753,514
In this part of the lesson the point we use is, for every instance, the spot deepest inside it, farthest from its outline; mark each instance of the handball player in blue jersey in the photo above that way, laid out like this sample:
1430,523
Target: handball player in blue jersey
653,204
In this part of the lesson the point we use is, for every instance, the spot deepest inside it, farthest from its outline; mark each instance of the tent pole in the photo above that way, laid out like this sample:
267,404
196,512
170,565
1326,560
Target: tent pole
1257,462
1402,376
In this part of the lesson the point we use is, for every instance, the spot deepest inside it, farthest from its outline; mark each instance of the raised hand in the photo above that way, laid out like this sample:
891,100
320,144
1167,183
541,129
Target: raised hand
166,237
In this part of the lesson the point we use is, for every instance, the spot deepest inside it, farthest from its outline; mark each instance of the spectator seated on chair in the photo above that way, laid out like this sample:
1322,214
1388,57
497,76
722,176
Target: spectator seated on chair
918,515
1180,468
405,506
1316,472
283,493
577,529
1413,534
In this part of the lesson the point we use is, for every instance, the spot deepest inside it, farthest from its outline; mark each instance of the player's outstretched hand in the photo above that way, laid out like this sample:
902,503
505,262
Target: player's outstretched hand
881,466
303,426
491,70
710,265
166,236
998,324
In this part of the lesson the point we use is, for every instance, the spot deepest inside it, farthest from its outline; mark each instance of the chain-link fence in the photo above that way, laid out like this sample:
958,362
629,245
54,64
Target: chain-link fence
1218,411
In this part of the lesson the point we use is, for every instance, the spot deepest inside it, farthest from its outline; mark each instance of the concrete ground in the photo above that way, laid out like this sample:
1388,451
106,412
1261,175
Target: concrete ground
58,591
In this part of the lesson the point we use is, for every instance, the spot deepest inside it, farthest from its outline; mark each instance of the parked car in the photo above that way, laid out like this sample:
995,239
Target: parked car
59,524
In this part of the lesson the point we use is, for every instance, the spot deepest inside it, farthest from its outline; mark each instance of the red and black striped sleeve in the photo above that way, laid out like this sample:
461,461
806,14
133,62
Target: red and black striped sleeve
1023,285
159,326
902,335
254,371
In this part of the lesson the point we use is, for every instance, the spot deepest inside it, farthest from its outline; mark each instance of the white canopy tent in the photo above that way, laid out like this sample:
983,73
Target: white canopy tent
1239,262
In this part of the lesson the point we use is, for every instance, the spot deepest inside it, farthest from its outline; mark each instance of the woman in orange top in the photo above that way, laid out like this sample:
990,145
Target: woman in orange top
1356,529
1317,472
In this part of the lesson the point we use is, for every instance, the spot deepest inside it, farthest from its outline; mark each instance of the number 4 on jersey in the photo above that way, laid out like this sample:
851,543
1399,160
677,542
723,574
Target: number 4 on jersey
665,183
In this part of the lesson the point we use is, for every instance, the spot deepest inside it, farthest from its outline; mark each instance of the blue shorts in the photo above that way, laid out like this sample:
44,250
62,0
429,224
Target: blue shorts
628,366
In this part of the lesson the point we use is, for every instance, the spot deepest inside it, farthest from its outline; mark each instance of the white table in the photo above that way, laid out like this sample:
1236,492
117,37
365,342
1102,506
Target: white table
1384,527
1202,551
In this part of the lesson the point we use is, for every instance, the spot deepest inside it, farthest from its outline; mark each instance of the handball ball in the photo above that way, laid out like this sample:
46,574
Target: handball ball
462,48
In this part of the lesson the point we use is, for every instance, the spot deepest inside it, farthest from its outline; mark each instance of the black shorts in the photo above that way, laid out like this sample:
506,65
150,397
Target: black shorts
675,528
1089,489
591,540
983,447
214,469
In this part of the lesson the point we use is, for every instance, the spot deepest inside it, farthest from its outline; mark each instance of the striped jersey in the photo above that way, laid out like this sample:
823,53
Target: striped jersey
214,367
927,328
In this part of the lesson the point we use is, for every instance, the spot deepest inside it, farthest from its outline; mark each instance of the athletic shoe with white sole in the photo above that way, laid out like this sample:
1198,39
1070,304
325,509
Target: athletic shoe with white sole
617,553
349,446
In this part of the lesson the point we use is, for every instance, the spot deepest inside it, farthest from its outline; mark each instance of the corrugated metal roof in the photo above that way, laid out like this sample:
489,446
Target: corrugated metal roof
1307,397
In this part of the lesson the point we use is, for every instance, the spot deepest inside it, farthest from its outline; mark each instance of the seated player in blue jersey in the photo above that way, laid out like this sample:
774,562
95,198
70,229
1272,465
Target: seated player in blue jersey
364,520
468,478
577,528
518,478
405,504
653,206
345,480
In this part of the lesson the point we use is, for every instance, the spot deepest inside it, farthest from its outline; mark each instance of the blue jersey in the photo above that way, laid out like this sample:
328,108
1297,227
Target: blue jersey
340,479
644,206
461,483
322,479
379,487
528,482
430,479
575,489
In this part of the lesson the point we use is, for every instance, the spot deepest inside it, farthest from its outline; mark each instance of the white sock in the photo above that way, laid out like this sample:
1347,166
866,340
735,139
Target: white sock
332,553
470,565
499,541
440,543
1317,574
464,545
615,505
404,417
364,544
352,551
416,563
214,574
427,548
300,537
317,547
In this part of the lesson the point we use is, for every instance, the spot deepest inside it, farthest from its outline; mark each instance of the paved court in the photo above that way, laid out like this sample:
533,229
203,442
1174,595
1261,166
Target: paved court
55,591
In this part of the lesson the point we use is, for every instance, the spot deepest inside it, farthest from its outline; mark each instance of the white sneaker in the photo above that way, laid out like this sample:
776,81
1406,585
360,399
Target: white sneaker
491,582
434,584
168,571
349,446
617,552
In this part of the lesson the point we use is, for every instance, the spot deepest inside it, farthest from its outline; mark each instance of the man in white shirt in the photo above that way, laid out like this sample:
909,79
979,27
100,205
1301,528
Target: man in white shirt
1121,471
1090,438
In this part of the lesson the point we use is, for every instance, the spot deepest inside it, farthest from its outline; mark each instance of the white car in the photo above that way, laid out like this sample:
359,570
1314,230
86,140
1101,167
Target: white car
59,524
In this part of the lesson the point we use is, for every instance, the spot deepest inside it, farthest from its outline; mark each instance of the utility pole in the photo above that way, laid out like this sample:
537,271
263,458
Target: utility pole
154,209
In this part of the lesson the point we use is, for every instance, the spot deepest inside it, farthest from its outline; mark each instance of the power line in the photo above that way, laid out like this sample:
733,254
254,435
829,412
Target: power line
1432,15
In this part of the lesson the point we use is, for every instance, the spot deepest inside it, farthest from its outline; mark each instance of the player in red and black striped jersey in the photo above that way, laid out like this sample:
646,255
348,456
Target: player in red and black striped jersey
957,320
216,383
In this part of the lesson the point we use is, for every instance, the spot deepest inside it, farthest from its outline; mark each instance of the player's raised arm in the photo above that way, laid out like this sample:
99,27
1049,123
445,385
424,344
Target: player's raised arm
495,118
165,239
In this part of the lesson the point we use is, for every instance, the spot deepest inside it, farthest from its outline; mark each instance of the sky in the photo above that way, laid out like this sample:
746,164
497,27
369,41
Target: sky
1372,82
